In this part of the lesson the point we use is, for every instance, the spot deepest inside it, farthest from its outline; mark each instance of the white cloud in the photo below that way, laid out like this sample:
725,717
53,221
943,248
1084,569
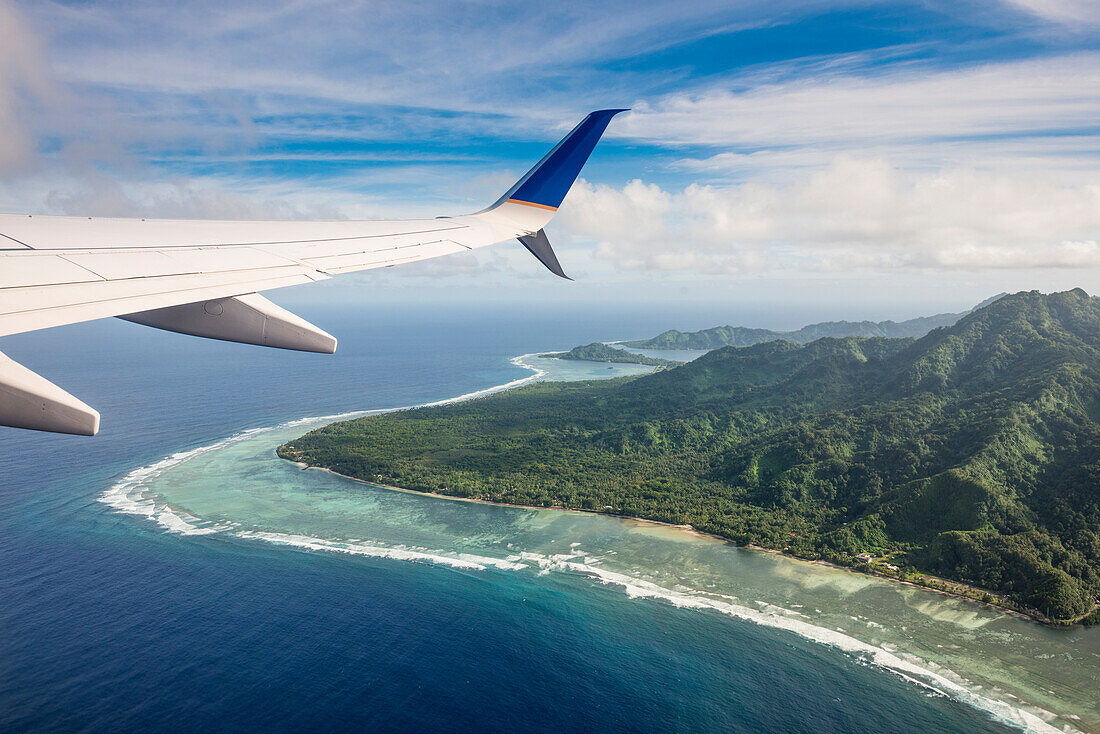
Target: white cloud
461,56
1062,11
854,214
1073,157
906,106
182,197
23,82
215,77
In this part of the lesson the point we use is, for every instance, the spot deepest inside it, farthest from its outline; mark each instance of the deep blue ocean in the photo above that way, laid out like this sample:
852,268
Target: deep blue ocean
107,623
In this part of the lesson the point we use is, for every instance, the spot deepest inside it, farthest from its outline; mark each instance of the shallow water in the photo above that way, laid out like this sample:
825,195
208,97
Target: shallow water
676,355
1010,670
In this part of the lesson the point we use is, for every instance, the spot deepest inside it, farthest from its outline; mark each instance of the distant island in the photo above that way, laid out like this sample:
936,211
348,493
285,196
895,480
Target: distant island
741,336
967,460
600,352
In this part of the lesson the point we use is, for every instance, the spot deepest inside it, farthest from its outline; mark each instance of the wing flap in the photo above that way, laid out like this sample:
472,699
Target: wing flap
386,257
111,265
40,270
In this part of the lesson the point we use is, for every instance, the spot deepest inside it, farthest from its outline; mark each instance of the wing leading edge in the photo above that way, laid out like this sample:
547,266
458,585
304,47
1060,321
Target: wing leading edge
203,277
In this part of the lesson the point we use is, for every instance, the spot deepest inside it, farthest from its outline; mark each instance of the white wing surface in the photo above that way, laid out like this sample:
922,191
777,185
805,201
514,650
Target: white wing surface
203,277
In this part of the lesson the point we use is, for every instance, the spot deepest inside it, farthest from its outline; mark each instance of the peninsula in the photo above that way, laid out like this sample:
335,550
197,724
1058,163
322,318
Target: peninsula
972,453
600,352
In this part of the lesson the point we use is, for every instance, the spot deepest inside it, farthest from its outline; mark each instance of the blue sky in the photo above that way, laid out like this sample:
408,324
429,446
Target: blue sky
881,157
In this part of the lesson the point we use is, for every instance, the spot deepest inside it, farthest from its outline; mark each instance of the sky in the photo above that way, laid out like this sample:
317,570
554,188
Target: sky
866,159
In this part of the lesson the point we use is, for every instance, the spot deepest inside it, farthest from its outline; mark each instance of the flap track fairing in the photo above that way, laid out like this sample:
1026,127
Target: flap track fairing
28,400
249,319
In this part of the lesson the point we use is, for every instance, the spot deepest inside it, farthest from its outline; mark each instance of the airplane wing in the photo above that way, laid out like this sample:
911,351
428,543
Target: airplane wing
203,277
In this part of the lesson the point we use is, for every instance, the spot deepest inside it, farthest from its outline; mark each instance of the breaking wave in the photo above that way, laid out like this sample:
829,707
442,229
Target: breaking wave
131,494
921,672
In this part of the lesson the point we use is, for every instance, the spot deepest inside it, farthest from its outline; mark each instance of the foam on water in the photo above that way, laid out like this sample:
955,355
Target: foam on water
913,669
455,560
133,495
130,494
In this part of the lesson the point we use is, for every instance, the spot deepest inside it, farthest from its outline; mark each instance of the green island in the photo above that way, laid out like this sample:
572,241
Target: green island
967,460
600,352
742,336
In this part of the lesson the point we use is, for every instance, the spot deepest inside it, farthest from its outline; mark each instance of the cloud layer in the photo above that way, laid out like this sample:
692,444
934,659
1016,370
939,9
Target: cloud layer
855,214
1009,108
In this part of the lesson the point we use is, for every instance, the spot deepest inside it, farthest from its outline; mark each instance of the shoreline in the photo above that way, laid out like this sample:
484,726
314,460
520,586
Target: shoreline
869,571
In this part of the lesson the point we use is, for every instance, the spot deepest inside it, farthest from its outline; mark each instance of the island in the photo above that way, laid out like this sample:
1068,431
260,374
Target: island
967,460
600,352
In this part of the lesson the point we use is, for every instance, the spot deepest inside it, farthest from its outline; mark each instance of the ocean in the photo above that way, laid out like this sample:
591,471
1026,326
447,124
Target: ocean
172,574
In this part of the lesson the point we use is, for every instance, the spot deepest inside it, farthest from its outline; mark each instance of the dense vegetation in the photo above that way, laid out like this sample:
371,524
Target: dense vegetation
741,336
972,453
600,352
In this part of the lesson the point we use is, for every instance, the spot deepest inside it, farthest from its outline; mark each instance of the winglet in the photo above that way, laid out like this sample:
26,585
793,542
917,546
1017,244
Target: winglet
546,185
528,206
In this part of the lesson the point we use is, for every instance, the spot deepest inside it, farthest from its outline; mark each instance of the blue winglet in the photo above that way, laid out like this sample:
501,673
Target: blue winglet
549,181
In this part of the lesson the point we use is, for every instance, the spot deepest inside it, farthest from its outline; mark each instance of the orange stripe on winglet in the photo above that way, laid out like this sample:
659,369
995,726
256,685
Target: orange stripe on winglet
531,203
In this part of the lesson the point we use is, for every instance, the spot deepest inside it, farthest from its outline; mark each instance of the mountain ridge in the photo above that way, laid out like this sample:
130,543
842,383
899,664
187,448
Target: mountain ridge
743,336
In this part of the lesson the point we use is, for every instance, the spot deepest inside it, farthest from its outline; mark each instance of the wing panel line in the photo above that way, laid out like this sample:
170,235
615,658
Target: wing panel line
269,243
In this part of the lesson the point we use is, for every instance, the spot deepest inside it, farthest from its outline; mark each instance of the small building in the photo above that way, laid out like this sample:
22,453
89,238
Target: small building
865,558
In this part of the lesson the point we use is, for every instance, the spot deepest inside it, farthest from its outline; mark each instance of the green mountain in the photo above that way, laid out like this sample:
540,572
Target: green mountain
600,352
972,453
741,336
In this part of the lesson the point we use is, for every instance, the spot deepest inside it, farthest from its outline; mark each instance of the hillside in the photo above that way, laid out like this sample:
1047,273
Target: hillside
972,453
600,352
741,336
